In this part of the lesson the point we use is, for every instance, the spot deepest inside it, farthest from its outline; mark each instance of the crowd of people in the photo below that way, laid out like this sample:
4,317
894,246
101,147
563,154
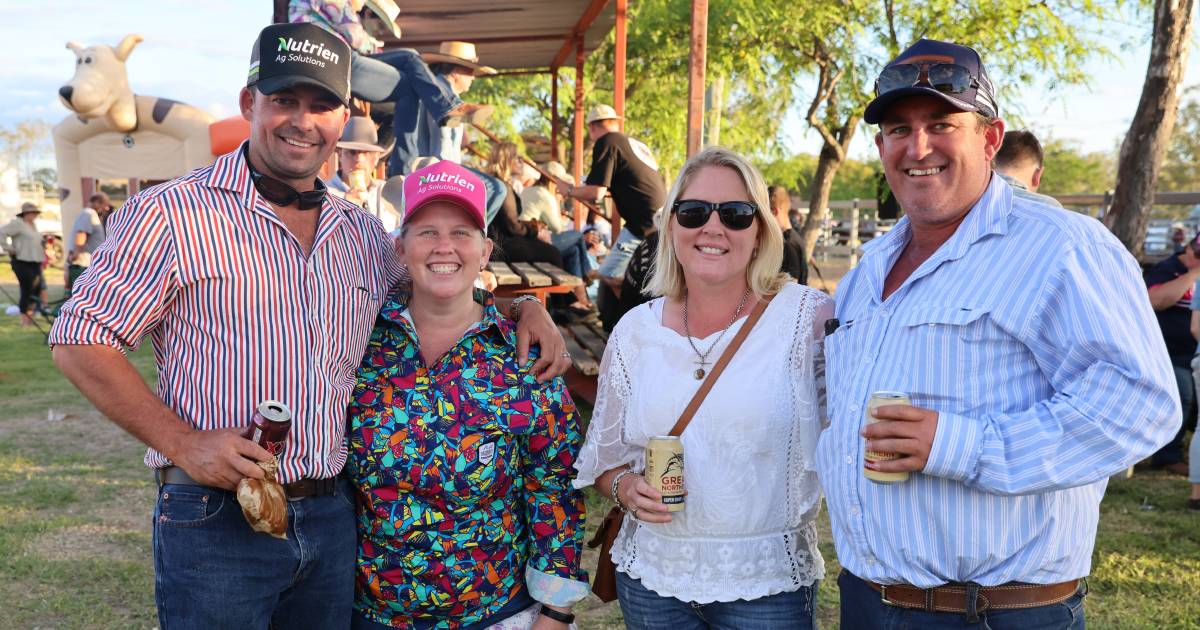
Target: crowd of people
435,463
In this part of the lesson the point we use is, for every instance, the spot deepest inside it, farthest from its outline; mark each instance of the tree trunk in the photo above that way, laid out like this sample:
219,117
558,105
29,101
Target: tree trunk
828,163
1149,134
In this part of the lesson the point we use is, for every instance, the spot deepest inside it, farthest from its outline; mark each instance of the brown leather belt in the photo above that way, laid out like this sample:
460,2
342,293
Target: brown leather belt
295,490
952,598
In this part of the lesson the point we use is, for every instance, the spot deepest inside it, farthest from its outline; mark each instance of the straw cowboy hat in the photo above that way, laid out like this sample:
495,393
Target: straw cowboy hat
602,112
29,208
459,54
360,135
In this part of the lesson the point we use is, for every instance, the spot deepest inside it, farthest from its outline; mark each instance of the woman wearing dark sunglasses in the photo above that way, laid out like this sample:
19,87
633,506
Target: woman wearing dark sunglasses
743,553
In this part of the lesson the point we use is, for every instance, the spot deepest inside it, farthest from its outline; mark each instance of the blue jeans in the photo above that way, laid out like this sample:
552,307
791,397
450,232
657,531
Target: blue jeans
422,100
618,258
1172,452
574,252
863,607
211,571
644,609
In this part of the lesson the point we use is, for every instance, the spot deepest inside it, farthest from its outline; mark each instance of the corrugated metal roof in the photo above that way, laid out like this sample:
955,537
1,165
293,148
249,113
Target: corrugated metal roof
508,34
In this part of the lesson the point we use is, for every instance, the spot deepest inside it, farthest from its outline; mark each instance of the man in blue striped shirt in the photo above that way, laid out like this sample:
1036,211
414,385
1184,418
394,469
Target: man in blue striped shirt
1026,342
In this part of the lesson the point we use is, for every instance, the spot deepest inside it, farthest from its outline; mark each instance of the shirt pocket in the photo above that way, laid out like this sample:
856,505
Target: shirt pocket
483,467
949,349
843,351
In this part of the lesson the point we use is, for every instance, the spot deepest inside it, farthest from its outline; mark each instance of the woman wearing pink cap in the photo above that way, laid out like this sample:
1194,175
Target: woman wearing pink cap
462,460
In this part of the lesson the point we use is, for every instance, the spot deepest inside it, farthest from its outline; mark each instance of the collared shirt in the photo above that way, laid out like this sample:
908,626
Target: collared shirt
26,241
1030,333
236,311
464,471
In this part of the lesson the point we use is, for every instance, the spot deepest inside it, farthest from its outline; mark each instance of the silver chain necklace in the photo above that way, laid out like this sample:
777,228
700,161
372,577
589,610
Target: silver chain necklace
702,357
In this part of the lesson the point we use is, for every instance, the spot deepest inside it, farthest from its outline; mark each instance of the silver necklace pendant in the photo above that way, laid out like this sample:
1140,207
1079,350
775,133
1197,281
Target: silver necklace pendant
699,373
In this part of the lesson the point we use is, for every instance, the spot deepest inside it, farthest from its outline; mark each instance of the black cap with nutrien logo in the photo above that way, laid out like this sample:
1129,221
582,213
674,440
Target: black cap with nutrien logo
286,55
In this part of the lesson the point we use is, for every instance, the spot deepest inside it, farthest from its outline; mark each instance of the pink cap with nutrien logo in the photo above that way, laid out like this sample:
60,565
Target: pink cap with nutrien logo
445,181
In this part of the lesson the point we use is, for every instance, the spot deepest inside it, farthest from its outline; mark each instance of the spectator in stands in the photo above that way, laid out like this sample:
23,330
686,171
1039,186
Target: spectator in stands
1170,283
626,168
1019,162
358,153
795,262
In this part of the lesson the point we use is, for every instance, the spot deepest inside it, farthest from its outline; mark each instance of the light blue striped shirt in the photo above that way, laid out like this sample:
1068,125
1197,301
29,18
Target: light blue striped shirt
1031,334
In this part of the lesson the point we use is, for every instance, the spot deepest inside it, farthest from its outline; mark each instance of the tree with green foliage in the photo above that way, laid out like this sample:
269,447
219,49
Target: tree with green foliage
1069,171
1181,165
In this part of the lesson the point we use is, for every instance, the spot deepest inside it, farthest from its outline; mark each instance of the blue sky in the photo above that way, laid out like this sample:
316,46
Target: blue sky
197,53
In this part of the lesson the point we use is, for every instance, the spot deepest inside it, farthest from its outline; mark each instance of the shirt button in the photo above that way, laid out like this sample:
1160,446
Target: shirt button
850,460
854,511
884,313
854,408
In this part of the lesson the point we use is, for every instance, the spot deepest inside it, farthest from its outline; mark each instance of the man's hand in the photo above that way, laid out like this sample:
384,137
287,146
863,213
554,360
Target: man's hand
219,458
535,326
904,430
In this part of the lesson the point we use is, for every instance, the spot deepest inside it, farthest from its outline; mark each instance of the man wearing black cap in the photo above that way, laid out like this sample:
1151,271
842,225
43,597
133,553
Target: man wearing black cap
255,288
1026,344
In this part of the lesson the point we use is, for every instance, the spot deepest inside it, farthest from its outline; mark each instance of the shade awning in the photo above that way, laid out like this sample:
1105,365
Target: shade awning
508,34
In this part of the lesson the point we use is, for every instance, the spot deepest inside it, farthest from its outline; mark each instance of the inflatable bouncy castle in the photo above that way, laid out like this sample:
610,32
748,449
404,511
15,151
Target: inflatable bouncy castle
115,134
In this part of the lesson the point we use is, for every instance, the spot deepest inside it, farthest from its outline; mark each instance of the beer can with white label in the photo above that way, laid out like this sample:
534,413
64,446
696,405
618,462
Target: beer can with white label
664,469
880,399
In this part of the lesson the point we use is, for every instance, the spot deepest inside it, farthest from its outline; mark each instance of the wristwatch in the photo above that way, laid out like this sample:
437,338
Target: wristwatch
563,617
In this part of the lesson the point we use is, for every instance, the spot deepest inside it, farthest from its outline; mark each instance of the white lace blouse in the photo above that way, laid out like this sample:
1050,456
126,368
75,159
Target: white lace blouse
749,527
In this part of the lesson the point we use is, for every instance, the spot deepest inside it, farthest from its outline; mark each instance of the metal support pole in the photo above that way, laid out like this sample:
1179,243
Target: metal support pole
696,65
577,142
619,63
554,114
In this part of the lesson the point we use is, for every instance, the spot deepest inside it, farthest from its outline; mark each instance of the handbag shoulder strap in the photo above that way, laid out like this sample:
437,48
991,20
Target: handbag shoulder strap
726,357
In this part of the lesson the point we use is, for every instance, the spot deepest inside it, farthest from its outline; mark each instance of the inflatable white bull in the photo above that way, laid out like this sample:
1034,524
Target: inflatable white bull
114,134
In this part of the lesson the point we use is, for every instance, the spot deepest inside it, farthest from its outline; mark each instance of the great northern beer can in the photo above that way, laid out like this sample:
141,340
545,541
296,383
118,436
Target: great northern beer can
270,425
881,399
664,469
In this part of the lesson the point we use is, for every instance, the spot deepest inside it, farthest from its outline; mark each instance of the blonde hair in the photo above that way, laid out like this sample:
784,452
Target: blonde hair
501,160
763,275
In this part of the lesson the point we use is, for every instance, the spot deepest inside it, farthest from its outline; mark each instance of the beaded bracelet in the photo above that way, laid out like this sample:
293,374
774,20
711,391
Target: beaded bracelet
616,484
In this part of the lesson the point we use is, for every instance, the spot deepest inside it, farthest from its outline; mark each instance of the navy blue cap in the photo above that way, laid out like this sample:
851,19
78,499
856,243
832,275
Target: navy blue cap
980,97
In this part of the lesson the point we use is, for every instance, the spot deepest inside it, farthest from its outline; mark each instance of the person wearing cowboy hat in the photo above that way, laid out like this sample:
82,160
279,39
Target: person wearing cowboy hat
418,128
626,168
358,153
23,243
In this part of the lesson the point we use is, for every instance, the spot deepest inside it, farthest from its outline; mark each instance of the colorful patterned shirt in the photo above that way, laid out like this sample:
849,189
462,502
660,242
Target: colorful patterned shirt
464,471
337,17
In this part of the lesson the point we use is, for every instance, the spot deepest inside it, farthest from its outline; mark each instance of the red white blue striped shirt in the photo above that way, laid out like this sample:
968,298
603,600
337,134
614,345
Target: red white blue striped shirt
235,311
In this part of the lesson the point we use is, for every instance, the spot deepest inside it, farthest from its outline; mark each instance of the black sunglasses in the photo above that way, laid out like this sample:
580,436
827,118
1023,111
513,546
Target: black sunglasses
735,215
947,78
282,194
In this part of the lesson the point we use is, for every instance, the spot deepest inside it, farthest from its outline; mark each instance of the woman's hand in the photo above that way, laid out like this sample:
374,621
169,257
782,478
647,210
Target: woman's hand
642,500
545,623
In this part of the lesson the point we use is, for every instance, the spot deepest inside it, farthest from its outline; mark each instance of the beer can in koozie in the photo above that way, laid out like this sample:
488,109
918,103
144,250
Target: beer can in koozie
270,425
664,469
881,399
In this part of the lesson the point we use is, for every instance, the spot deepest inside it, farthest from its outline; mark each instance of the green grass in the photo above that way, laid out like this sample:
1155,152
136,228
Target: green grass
75,505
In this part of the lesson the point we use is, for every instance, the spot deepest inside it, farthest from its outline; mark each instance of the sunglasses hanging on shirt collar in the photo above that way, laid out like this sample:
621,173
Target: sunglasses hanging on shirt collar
282,194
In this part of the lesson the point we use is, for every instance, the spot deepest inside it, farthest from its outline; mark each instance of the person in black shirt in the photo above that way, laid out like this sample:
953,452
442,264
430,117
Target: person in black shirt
1170,285
627,169
795,263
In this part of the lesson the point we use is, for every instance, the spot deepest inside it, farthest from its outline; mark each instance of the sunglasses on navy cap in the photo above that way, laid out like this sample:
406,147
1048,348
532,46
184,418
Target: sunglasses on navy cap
947,78
735,215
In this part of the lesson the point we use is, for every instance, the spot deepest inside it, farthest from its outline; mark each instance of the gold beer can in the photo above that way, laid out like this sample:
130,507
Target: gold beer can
664,469
881,399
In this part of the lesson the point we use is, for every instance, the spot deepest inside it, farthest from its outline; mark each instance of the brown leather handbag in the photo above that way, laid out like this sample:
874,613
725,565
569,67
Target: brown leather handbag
604,582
